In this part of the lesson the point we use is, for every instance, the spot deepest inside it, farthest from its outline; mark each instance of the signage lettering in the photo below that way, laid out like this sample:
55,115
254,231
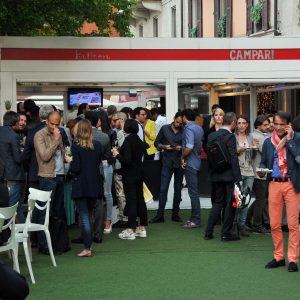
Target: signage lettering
252,54
90,55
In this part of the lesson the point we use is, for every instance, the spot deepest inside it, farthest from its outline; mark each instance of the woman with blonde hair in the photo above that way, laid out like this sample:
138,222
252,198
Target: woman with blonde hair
87,185
216,123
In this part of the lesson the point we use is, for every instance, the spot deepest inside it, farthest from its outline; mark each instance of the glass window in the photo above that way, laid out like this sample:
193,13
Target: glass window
173,29
141,31
155,27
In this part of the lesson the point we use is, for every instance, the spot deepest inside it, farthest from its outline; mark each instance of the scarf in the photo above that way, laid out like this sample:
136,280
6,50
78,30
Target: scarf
279,145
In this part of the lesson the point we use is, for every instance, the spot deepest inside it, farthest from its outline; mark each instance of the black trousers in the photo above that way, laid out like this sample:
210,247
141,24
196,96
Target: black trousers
135,203
223,193
259,189
98,219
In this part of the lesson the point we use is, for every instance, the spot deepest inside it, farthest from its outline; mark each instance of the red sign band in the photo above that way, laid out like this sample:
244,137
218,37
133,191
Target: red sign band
148,54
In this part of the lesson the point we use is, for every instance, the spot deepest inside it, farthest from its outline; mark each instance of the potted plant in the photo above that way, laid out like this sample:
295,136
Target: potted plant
221,26
194,32
256,14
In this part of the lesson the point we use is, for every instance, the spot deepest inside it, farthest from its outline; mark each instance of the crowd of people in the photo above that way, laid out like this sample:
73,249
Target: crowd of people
103,152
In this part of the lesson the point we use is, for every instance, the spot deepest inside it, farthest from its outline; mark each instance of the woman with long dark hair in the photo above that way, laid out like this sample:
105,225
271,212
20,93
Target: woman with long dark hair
246,151
87,185
130,156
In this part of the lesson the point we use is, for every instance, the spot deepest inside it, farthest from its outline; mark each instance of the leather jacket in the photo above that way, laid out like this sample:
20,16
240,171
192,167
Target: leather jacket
45,148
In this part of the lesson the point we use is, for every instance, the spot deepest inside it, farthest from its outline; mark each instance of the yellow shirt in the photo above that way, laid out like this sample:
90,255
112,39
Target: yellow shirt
151,129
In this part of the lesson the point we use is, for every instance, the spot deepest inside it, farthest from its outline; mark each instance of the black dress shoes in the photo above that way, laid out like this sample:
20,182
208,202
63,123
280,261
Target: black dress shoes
176,218
157,219
208,236
97,240
292,267
230,238
275,264
44,251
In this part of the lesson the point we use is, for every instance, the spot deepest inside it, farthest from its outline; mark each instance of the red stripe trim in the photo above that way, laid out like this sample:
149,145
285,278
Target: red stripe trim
148,54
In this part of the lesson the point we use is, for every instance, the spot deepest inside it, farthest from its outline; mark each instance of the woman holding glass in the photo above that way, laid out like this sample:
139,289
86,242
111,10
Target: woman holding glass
246,151
87,184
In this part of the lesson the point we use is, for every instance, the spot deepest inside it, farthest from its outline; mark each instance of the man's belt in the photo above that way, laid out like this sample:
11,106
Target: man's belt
281,179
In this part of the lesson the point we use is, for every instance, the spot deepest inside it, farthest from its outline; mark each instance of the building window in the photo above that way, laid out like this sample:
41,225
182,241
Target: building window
222,17
155,27
173,20
257,16
195,18
141,31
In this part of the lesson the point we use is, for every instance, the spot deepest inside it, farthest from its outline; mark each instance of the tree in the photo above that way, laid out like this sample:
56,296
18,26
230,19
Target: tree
64,18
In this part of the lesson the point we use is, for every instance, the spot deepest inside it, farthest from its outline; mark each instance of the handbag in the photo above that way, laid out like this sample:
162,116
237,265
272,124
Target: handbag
147,194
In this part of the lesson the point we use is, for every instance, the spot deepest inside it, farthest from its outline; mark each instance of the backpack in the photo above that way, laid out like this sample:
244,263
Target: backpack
216,155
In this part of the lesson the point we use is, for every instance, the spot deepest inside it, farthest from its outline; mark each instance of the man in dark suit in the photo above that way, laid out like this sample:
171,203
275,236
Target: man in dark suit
223,181
10,153
4,200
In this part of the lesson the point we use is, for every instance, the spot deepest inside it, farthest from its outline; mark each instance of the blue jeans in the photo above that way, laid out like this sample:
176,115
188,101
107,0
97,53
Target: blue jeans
84,207
15,195
108,175
247,182
166,175
56,185
191,177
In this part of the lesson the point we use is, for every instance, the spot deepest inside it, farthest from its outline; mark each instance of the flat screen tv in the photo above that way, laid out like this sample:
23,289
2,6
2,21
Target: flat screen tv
92,96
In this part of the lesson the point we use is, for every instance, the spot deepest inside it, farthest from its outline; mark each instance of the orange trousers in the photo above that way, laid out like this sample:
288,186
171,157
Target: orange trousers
281,193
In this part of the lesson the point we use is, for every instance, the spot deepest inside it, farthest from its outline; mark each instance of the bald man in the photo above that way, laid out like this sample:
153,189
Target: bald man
50,153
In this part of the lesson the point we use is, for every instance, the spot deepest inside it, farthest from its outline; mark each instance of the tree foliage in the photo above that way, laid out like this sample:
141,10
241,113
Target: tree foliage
64,17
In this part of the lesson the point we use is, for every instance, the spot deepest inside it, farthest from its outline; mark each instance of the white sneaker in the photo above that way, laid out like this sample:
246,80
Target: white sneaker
140,233
125,235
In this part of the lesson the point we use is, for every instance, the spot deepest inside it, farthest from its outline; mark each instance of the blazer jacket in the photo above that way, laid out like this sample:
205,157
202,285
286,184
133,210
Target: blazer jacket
232,174
87,181
292,152
10,152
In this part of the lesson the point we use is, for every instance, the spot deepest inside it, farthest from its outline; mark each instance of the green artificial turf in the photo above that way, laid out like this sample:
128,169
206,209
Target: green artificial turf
172,263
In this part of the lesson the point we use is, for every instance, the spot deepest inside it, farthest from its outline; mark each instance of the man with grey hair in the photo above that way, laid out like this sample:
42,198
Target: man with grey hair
111,110
45,110
28,154
117,122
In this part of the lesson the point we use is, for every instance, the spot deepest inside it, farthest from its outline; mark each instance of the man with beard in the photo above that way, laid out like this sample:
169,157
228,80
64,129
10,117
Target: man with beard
168,141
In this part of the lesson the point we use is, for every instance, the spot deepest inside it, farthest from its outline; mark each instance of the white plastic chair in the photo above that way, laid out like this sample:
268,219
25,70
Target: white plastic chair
8,214
22,230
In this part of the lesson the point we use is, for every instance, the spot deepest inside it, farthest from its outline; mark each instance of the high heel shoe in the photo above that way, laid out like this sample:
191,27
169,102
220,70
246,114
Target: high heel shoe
108,230
85,253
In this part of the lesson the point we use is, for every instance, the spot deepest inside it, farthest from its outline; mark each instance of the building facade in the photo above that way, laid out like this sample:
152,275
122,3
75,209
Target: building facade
216,18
